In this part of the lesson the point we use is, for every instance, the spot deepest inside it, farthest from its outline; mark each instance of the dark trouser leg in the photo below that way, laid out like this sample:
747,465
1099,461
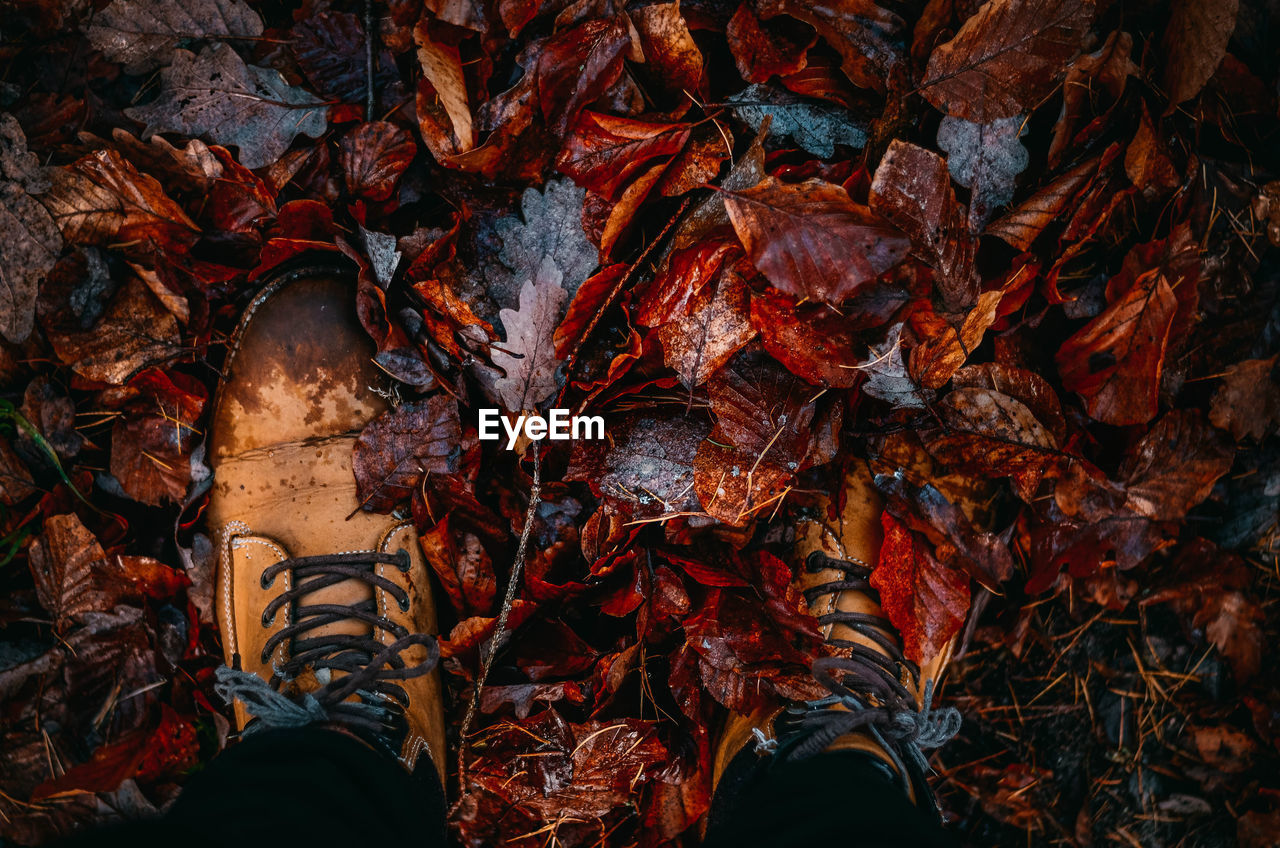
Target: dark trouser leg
307,786
836,799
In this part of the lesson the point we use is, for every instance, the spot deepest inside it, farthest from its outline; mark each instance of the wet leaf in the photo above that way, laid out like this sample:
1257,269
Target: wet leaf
373,157
144,34
1194,43
816,127
811,240
397,448
216,94
986,159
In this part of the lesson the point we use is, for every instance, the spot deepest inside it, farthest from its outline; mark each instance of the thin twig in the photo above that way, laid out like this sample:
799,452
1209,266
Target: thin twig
490,651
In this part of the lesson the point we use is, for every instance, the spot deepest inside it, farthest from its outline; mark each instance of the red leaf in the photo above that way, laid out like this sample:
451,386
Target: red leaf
606,153
811,240
395,449
373,157
925,600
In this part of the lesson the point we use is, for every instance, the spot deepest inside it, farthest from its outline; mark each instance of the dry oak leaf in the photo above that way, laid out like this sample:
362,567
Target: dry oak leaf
1005,58
811,240
102,199
216,94
528,356
986,159
1194,43
143,34
1248,402
373,156
912,189
1115,361
925,600
443,89
395,449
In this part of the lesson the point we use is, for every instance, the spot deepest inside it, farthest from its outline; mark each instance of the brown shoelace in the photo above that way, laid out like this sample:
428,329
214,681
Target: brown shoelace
344,664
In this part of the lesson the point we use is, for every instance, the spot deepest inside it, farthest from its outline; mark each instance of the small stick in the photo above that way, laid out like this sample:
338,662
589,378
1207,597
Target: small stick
368,60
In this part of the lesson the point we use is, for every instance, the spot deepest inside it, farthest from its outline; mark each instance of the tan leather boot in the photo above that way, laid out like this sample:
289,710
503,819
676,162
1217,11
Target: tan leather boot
326,611
880,702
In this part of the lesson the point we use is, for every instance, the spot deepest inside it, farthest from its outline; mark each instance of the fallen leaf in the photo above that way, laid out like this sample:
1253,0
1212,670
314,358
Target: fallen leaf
152,441
763,50
813,341
1247,404
548,228
143,34
912,189
1174,466
607,153
443,83
1195,40
1005,58
216,94
811,240
986,159
717,326
926,601
528,356
102,199
944,347
397,448
868,37
817,127
1116,360
373,156
887,377
330,50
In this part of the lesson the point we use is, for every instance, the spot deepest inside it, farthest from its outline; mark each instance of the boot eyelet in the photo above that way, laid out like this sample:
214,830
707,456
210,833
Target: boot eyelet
267,622
266,658
404,604
402,561
264,582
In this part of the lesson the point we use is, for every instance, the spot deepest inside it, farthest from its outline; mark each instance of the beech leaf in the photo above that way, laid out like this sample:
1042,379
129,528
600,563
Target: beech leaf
395,449
1195,40
143,34
1005,58
216,94
811,240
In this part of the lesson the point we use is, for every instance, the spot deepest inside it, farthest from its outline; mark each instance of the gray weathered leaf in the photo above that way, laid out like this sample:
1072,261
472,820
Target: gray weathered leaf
528,356
143,34
29,238
218,95
816,127
986,159
887,377
382,253
549,227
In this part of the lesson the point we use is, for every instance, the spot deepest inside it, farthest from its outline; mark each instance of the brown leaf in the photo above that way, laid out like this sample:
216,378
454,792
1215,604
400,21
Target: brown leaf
606,153
103,200
943,347
528,356
1115,361
16,483
152,441
670,53
912,189
1174,466
811,240
443,88
990,434
373,157
868,37
925,600
716,327
395,449
1021,226
134,332
813,341
61,561
1005,58
216,94
29,247
763,50
1091,77
1030,388
142,34
1194,43
1247,404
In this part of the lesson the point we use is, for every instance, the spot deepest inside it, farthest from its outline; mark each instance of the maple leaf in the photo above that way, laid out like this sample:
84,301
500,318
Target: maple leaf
925,600
811,239
215,93
395,449
143,34
1005,58
986,159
